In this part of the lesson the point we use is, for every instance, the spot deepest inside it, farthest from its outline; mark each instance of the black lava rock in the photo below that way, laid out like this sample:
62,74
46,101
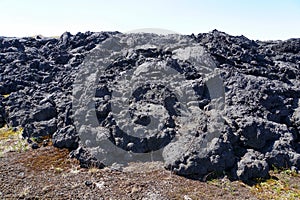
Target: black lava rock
66,138
246,125
35,146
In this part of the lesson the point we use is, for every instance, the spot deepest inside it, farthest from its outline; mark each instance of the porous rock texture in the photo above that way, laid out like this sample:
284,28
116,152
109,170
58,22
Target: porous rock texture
255,128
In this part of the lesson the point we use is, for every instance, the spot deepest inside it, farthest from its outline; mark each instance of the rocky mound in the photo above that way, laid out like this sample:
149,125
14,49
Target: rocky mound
205,105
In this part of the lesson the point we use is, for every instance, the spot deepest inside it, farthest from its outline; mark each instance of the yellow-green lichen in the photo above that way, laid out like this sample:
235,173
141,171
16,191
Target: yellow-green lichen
5,95
11,140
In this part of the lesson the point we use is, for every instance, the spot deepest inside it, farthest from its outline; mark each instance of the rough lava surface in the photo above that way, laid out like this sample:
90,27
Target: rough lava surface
245,115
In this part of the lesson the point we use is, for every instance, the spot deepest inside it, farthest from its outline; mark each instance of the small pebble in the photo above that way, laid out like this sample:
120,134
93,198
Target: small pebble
35,146
88,183
45,142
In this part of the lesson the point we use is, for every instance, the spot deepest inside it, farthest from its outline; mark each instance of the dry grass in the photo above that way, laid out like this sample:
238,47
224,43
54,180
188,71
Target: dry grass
11,140
53,159
283,185
5,95
49,173
8,133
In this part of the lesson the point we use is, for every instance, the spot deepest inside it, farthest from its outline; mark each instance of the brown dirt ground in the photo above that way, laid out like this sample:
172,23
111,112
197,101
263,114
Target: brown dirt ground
49,173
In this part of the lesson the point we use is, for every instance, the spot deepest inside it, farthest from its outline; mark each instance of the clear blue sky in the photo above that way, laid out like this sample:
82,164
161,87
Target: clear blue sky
256,19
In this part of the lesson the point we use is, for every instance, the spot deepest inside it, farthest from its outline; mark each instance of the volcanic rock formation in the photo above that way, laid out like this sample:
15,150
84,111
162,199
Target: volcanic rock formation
204,104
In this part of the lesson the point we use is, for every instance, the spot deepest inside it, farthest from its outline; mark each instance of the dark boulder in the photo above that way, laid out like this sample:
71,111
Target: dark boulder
40,129
252,166
66,138
85,158
44,112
